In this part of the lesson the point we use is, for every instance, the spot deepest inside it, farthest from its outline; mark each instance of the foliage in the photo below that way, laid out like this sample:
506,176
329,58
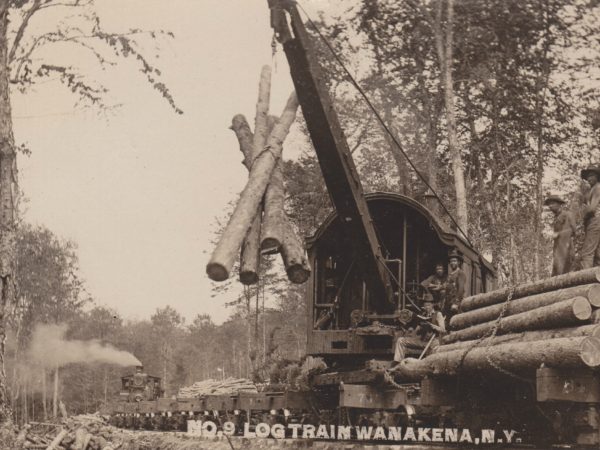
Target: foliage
525,108
74,26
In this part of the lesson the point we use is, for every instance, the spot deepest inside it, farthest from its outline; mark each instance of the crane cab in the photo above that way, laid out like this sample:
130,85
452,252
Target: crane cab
343,321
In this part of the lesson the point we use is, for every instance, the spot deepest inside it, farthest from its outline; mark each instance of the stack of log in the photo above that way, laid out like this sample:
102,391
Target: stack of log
85,432
228,386
551,322
258,223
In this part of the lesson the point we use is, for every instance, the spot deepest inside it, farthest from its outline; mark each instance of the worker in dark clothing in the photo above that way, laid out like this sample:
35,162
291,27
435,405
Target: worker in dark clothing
564,230
455,290
436,285
426,335
590,251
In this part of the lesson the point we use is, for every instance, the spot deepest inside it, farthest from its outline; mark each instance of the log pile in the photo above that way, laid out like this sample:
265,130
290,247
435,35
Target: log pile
258,223
552,322
228,386
87,431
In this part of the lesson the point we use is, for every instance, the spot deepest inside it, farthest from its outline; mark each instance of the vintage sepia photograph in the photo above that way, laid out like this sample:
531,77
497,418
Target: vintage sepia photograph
265,224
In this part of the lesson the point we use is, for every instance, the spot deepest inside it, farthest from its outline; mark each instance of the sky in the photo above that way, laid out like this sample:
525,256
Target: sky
138,188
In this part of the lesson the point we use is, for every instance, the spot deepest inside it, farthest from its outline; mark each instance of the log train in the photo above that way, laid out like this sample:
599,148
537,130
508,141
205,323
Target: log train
521,359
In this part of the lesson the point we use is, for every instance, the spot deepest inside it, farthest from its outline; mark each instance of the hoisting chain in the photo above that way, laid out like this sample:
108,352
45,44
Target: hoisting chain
387,378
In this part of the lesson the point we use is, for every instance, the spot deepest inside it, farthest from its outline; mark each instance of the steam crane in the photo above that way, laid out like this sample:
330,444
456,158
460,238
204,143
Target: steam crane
375,246
337,166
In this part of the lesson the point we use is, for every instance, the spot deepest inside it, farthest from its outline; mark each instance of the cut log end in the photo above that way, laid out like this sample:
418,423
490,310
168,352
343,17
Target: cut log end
593,295
216,271
582,309
297,274
270,245
590,351
249,277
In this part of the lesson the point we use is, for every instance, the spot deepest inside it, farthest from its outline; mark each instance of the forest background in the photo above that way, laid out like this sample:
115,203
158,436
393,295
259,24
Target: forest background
497,102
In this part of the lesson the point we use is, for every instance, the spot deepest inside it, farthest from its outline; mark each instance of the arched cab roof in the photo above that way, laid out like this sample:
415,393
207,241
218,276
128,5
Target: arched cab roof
446,235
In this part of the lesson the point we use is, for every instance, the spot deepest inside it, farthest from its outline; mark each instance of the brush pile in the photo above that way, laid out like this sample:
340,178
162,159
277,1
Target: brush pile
84,432
551,322
228,386
258,224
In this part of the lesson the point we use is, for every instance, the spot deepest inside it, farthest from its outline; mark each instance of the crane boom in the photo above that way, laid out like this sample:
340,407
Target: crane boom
333,153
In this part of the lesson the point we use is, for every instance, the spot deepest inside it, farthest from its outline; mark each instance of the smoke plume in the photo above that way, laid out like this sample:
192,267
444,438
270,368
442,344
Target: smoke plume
50,348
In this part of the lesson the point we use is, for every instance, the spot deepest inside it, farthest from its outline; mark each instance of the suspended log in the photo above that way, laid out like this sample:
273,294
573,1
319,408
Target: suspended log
223,256
250,253
564,353
294,256
292,251
561,314
261,119
251,145
273,226
244,135
535,287
273,219
485,314
525,336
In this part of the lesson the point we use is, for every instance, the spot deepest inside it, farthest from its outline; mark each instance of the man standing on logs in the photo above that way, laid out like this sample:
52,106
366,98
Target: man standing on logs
455,290
436,285
590,251
427,333
564,230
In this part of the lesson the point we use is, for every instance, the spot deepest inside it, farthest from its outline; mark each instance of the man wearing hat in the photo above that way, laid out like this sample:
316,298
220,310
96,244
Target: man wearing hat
590,251
436,285
427,333
455,290
564,230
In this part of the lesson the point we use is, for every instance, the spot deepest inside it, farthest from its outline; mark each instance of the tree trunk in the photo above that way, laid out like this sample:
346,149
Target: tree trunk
525,336
164,377
8,181
55,395
444,45
44,395
480,315
567,312
223,256
539,172
105,386
574,352
250,355
533,287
